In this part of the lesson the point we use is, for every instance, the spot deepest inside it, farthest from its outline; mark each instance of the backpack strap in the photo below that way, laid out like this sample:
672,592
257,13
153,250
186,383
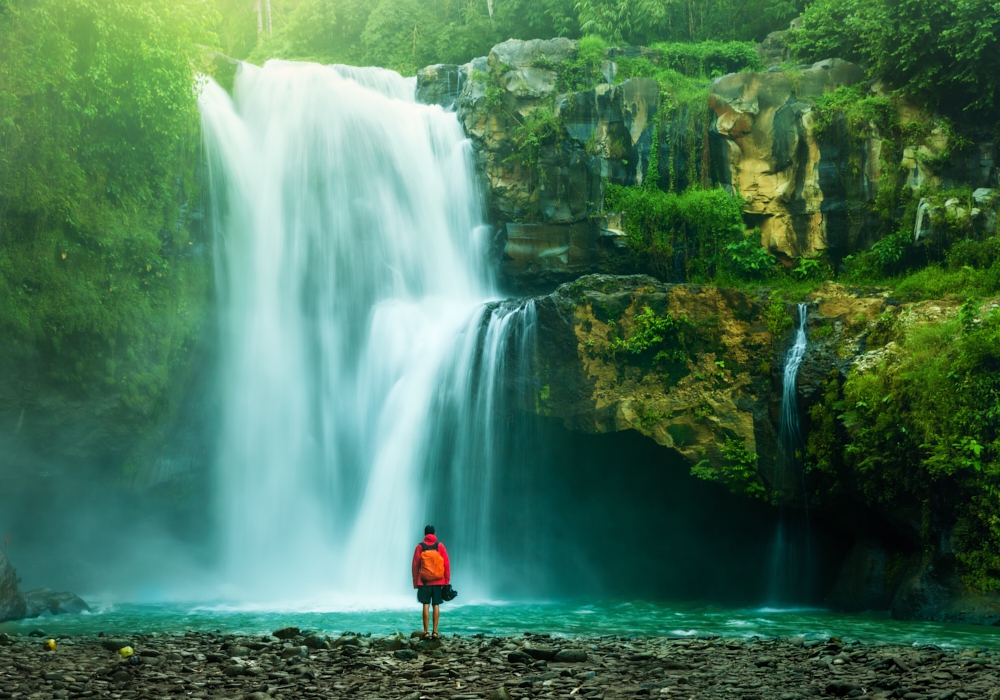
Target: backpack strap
425,547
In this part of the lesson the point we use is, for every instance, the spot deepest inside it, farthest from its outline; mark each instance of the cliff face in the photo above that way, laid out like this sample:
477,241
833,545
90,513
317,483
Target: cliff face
546,144
680,364
545,147
697,369
791,183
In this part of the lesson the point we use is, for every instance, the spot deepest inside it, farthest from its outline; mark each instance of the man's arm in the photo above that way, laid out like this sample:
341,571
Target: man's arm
415,567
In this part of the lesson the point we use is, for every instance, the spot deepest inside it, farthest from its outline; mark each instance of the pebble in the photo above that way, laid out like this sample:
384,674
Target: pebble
293,664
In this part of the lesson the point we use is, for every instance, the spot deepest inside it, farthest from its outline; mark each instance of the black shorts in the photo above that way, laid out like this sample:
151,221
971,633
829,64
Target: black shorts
430,595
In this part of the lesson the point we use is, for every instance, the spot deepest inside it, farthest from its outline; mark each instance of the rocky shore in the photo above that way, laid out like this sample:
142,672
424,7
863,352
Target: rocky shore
297,664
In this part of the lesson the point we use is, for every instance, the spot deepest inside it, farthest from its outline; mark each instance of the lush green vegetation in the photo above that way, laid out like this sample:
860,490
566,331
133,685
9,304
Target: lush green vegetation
406,35
686,234
98,137
945,52
918,435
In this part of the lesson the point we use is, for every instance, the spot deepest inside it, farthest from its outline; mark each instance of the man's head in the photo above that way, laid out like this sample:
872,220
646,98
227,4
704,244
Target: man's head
429,530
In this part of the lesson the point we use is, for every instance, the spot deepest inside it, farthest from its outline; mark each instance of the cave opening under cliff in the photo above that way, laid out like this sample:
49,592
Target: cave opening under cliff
617,516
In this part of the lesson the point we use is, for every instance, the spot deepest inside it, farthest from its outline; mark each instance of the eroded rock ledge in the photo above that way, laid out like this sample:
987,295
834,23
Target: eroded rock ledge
713,390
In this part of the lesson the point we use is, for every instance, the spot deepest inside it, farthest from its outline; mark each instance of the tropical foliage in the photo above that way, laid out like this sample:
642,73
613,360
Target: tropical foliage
97,137
945,52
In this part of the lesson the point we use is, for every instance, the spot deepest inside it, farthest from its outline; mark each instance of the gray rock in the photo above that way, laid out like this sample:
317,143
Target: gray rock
984,196
500,693
538,257
115,643
573,656
390,644
516,53
40,600
440,84
293,652
540,653
12,605
317,641
405,654
287,633
519,657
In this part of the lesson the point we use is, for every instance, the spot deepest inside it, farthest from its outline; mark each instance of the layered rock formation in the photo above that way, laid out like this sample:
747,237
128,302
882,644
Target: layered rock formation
545,147
791,183
711,393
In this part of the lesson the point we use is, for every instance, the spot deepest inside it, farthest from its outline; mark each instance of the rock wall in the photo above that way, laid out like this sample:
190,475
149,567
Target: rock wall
543,199
716,394
725,391
810,192
791,183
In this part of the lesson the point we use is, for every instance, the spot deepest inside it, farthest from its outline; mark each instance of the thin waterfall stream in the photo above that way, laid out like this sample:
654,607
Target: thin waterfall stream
790,566
362,360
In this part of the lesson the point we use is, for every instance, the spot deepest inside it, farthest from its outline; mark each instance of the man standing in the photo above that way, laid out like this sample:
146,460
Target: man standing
431,573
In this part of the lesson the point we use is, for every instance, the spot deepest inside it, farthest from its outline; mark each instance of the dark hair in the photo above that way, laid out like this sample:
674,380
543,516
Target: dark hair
429,530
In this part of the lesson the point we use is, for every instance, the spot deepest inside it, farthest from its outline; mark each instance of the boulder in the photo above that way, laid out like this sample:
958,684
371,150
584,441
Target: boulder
287,633
570,656
515,53
540,653
12,605
41,600
317,641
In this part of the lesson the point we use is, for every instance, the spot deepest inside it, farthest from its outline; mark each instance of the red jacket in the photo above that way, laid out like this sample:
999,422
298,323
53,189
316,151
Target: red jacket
417,583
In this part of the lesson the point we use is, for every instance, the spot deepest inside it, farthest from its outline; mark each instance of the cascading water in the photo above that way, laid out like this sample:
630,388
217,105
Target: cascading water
790,560
361,361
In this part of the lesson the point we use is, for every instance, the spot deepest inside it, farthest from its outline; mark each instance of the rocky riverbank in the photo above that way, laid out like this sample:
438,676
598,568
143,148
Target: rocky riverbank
295,664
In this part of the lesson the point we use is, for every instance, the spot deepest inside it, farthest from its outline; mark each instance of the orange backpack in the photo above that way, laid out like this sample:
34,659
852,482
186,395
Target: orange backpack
431,563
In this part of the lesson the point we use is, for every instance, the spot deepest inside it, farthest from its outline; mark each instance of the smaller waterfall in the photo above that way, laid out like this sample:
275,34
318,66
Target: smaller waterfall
791,560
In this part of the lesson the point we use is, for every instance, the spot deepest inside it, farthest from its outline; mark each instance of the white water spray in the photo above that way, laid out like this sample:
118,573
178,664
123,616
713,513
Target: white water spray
352,282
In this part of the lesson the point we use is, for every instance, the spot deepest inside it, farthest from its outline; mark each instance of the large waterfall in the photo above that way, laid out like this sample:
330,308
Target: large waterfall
361,361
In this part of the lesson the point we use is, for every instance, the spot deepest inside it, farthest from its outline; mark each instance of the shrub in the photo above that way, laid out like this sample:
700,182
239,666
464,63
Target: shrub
678,236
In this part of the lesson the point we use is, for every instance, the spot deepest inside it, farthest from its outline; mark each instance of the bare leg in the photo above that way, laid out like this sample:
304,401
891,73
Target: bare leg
426,611
437,618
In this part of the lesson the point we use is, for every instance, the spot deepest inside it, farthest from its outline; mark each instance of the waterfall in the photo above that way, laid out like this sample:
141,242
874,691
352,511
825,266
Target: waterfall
362,362
790,566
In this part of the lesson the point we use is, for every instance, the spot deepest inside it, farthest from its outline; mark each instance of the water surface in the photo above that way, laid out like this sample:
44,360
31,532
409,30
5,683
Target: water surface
560,619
